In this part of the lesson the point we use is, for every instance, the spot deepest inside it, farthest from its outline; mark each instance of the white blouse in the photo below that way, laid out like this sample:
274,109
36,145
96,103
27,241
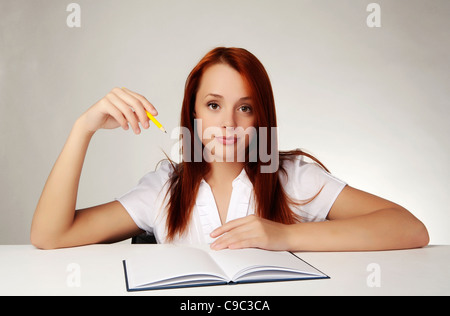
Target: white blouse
146,207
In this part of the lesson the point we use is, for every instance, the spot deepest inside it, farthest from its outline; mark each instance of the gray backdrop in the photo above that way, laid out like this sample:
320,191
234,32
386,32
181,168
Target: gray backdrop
369,102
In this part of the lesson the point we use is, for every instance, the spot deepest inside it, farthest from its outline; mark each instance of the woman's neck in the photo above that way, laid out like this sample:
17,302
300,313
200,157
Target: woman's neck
223,172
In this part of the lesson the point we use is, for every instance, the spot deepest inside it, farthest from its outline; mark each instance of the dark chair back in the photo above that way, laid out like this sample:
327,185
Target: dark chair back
144,239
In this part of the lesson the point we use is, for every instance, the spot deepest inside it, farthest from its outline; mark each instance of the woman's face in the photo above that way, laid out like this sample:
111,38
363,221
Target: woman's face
224,110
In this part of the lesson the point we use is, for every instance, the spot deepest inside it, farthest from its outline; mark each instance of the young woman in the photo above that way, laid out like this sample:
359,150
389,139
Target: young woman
270,199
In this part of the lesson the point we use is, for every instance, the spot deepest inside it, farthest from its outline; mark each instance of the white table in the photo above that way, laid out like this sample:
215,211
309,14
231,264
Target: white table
98,270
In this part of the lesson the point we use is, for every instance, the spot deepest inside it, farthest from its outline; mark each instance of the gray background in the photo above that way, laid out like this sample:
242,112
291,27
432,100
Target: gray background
371,103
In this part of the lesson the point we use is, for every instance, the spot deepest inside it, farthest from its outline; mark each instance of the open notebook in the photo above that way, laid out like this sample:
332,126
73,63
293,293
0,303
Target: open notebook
183,266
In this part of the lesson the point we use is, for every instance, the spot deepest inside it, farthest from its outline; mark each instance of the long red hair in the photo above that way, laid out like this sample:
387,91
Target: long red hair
271,201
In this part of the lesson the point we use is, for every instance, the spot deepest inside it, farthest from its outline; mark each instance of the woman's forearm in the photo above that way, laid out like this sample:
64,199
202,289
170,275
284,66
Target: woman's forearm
56,207
384,229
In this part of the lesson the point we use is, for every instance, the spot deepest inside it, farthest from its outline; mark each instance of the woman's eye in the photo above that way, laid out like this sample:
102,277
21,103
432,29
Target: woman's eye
246,109
213,105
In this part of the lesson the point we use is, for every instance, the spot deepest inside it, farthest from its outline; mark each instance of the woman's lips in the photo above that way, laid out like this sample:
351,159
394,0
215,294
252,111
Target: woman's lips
226,140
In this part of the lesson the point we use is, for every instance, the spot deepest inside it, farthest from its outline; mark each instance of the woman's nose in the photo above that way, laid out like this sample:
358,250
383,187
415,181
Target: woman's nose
228,119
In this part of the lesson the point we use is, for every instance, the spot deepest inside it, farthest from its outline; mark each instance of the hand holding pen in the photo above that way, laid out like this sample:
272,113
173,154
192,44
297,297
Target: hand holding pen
121,107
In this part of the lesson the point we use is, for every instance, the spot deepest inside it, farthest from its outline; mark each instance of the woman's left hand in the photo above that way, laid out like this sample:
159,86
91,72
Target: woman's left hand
251,232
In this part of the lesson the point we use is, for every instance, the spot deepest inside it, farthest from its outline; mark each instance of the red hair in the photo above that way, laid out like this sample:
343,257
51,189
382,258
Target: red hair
272,202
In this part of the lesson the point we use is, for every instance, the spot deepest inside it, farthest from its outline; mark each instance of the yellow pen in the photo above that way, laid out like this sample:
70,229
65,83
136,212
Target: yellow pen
158,124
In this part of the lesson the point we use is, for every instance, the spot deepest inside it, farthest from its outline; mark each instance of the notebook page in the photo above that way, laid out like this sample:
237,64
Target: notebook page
234,262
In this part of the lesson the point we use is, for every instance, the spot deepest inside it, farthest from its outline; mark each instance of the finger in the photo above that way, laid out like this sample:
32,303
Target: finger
136,105
247,243
229,226
126,110
236,242
117,115
235,236
147,105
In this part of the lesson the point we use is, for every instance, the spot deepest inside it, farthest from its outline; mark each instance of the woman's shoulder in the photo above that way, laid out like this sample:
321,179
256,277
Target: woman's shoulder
306,179
150,186
304,169
163,171
295,167
299,160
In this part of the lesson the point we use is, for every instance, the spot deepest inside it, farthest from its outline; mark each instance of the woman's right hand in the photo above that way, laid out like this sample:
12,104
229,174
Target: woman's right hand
119,107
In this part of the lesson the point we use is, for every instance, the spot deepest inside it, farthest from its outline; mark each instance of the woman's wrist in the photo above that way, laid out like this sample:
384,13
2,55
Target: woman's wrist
293,237
80,128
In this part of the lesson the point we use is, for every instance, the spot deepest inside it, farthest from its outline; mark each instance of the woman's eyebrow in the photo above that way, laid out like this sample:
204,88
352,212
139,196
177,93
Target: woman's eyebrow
218,96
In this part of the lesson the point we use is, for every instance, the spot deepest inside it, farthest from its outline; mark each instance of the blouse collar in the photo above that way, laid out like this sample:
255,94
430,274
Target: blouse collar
242,177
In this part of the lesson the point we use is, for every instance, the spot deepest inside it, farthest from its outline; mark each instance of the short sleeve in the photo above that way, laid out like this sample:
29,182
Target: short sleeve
308,180
145,201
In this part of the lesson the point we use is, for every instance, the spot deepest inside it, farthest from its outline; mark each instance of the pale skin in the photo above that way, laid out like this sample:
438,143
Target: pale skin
357,221
223,101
